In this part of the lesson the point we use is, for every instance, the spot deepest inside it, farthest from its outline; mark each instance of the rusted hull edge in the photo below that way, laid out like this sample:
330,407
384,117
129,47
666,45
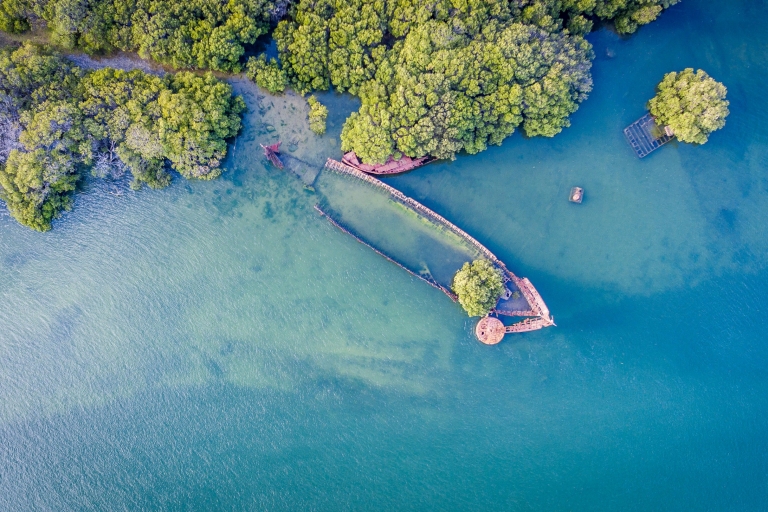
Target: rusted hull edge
529,324
430,282
502,312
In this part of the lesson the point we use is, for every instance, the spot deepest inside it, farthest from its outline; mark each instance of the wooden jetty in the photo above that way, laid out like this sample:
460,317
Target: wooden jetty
271,153
645,136
538,315
391,166
577,195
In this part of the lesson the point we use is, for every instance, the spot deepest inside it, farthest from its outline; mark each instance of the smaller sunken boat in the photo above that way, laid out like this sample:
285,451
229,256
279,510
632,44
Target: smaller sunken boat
645,136
271,153
391,166
577,195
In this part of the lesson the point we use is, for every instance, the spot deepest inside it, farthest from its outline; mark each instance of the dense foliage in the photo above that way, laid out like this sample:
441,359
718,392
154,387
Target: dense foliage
189,33
444,93
267,75
479,285
626,15
435,77
443,76
64,120
692,104
318,113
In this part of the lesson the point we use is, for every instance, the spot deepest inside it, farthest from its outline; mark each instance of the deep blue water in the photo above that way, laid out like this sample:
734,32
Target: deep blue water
218,346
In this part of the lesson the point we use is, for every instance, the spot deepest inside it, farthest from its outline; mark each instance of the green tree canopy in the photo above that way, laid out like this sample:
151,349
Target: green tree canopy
317,115
443,93
205,34
626,15
67,120
692,103
436,78
479,285
267,75
444,76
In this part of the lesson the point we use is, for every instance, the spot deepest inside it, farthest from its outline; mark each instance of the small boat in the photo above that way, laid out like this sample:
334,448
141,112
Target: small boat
391,166
271,153
577,195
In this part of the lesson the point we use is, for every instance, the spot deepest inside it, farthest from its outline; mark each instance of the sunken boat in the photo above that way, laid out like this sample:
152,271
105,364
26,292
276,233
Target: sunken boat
520,297
271,152
391,166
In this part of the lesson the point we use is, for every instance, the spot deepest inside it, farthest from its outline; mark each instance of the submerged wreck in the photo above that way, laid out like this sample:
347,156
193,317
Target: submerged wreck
520,298
271,153
645,136
391,166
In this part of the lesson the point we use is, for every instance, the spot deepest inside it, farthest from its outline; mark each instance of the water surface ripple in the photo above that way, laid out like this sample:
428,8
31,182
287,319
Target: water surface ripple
219,346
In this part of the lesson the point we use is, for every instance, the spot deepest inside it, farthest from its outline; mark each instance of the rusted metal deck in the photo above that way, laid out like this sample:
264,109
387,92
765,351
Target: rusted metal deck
529,324
645,136
490,330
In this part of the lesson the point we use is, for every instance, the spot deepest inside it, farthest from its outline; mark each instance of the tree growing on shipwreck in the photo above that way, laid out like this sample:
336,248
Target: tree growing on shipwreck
478,285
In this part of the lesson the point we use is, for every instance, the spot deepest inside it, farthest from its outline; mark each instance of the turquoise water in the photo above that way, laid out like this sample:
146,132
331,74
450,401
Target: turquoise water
219,346
411,239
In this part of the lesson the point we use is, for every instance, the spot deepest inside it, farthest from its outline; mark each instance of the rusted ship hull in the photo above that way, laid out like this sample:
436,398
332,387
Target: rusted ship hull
391,166
535,309
271,152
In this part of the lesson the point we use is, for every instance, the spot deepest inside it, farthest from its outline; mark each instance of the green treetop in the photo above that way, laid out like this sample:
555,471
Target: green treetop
441,93
479,285
692,104
267,75
317,115
322,38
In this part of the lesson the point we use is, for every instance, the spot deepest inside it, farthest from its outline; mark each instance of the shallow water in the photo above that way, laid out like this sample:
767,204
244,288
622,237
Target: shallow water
221,346
371,214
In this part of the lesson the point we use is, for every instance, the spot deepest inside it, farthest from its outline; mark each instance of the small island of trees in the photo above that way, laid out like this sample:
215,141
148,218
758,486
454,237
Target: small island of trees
318,113
692,104
478,285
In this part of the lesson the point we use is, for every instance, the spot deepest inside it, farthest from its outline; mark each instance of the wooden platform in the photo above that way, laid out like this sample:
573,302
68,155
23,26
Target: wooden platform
645,136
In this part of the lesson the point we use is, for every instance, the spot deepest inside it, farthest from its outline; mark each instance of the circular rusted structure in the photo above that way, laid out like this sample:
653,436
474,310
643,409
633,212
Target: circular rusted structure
489,330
